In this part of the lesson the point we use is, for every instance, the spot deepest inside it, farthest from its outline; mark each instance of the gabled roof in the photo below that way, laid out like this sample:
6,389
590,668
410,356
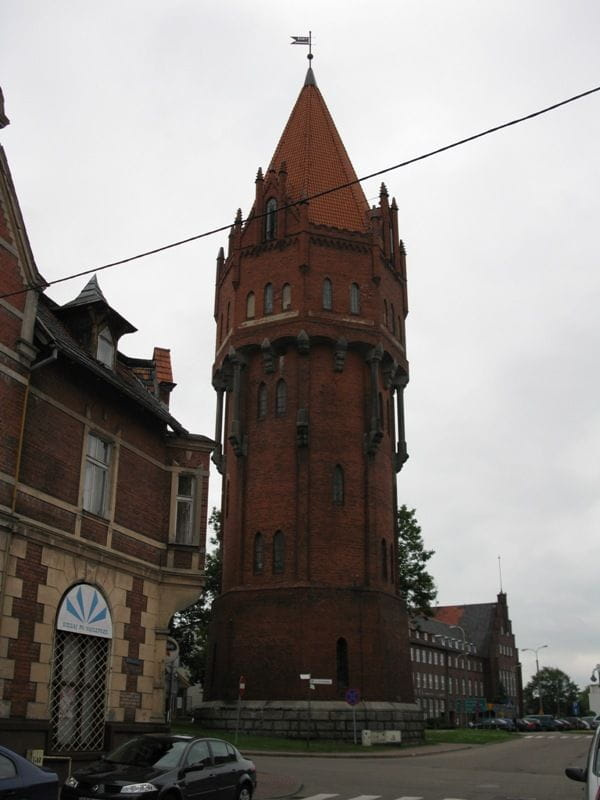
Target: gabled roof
316,159
92,295
477,620
123,380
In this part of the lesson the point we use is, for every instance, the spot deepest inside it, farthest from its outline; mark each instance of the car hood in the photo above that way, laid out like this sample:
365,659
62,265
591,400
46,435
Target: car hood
105,772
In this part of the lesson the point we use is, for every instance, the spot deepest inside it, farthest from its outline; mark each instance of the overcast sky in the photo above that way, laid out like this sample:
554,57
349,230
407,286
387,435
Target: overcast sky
135,123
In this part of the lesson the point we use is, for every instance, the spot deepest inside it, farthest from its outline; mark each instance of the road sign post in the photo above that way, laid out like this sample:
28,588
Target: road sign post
241,690
352,698
312,682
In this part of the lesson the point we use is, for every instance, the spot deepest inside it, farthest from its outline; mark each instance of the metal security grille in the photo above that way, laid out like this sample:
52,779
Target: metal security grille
78,694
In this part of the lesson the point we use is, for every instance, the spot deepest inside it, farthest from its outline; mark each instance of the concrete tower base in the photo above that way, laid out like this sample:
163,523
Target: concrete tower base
325,719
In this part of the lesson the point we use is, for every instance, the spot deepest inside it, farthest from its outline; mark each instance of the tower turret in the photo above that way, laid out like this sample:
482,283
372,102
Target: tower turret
310,370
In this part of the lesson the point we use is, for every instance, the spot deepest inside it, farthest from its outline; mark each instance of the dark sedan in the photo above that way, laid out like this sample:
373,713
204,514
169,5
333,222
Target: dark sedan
157,766
20,778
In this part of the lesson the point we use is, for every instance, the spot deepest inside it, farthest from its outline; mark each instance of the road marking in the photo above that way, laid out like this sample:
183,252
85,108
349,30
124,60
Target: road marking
320,796
366,797
406,797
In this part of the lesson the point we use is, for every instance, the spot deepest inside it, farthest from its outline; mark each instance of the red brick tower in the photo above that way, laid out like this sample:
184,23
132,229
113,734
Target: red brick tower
310,369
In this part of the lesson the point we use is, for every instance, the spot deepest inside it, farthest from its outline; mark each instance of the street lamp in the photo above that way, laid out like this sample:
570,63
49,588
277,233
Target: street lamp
596,670
464,647
537,670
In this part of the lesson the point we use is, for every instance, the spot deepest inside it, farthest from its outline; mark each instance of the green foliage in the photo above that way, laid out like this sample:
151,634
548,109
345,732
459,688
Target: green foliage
190,626
556,690
415,583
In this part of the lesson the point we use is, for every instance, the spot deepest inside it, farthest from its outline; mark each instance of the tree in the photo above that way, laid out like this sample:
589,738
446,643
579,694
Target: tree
415,583
190,626
552,690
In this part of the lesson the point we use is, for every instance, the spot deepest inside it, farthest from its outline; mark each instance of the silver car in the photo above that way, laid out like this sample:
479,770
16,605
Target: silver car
590,774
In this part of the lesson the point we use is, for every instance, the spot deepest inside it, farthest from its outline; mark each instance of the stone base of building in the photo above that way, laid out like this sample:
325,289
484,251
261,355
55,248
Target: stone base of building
323,720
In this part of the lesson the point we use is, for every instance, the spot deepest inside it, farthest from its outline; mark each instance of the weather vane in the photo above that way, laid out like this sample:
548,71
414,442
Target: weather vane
304,40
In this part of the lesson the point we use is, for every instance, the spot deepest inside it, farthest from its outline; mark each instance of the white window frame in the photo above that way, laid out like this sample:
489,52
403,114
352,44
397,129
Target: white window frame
105,348
97,473
189,535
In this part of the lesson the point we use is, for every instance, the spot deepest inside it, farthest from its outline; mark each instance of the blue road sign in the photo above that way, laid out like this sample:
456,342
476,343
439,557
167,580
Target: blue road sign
352,697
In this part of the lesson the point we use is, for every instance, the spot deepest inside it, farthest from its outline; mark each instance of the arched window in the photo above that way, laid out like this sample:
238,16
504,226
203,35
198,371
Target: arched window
278,552
280,398
80,671
384,569
354,298
262,401
258,558
286,297
268,299
385,313
393,320
341,662
327,295
271,219
338,485
250,306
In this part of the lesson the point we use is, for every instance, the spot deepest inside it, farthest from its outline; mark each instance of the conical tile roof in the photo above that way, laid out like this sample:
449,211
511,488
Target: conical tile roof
316,160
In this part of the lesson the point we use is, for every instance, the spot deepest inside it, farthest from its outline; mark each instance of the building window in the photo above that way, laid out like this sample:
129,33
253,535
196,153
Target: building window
327,295
268,299
97,465
105,352
341,660
338,485
286,297
184,522
250,306
258,559
278,552
262,401
384,570
280,398
354,298
385,313
271,219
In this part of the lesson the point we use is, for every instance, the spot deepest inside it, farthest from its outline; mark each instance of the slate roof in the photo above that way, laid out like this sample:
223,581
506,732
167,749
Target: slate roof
477,619
122,380
316,159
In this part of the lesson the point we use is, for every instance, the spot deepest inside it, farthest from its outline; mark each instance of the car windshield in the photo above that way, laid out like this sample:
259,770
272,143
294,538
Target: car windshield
148,752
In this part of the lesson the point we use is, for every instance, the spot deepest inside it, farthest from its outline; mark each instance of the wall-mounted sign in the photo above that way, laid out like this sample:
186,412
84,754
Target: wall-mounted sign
84,610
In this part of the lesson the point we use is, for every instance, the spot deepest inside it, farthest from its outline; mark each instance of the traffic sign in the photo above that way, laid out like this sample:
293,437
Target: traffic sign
323,681
352,697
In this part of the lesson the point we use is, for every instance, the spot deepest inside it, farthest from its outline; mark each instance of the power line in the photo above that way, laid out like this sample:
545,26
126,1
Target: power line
338,188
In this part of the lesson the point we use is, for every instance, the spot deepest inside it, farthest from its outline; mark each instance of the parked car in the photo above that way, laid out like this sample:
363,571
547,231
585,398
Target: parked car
591,721
578,723
590,774
546,721
21,779
562,724
527,725
495,723
149,766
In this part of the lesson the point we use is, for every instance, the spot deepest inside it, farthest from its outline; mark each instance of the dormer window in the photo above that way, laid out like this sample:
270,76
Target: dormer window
271,219
106,349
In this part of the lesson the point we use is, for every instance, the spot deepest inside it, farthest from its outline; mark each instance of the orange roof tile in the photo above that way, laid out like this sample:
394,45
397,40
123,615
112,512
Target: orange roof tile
316,160
162,358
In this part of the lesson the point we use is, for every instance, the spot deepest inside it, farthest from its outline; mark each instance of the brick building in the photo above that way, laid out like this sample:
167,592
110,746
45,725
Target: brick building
102,513
310,369
465,663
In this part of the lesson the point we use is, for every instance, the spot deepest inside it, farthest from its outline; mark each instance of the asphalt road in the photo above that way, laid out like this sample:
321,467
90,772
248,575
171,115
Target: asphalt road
525,768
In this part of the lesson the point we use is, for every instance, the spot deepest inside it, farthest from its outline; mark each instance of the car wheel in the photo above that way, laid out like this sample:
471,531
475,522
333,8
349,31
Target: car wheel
244,792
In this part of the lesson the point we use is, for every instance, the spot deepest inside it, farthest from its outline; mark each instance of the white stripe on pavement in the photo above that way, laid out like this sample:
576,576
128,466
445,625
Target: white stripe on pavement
406,797
366,797
320,796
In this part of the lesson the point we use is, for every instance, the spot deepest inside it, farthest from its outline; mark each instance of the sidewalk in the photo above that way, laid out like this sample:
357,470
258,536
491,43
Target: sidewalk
273,786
